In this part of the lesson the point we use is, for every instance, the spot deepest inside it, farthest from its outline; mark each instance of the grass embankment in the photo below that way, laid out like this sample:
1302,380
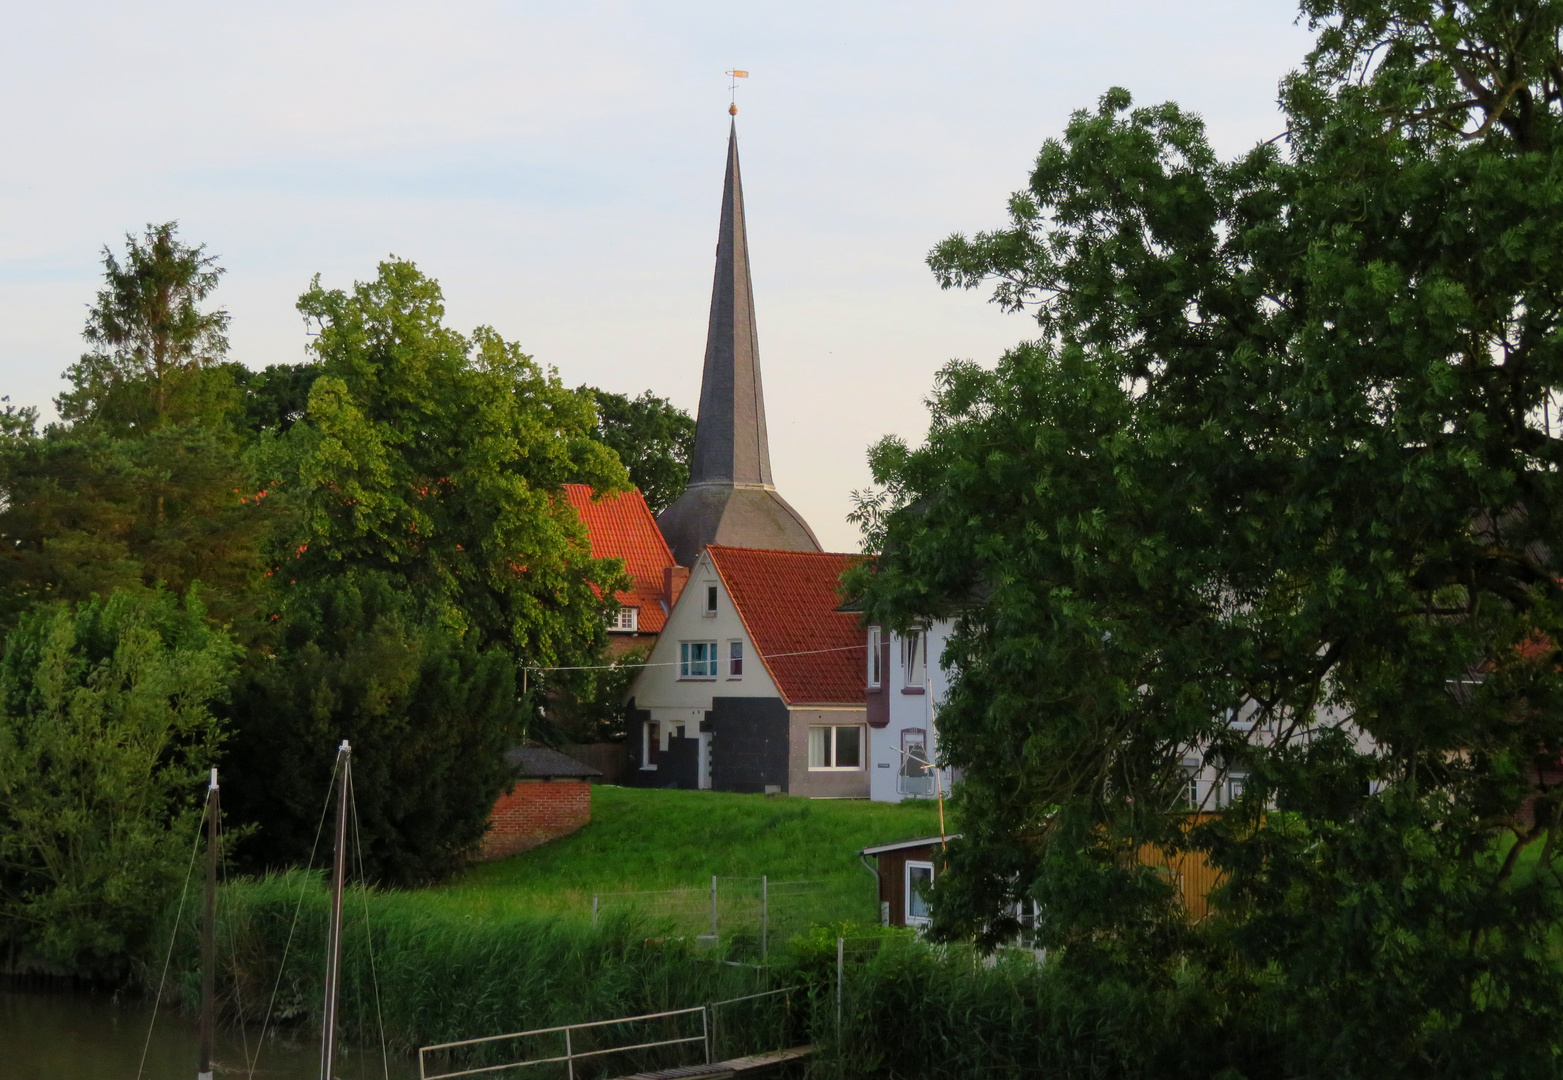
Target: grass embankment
649,841
511,945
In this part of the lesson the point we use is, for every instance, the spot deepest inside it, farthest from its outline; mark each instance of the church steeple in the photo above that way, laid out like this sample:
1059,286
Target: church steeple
731,498
730,439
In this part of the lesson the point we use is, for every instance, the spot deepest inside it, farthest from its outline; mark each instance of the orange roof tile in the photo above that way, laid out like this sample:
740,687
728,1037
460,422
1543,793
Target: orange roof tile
621,527
787,600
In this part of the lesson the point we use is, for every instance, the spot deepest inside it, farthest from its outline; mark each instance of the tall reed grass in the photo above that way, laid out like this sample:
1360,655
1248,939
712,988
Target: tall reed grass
428,973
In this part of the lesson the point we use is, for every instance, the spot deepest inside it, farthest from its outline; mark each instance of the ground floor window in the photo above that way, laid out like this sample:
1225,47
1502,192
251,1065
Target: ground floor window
836,746
919,878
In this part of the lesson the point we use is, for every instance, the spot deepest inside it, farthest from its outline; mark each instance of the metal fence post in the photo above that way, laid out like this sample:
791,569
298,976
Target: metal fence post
841,954
594,909
713,906
569,1054
765,917
707,1022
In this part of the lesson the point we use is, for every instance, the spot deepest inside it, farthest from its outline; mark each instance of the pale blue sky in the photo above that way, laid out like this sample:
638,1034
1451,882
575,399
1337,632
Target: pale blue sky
558,168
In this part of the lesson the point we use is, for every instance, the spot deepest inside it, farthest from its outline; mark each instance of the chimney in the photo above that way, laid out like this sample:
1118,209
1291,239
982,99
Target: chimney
673,581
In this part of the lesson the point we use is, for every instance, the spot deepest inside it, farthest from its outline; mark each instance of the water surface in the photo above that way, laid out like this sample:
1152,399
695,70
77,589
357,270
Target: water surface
60,1035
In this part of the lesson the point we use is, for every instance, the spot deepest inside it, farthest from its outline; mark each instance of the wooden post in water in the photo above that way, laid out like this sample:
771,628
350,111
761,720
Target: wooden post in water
209,937
334,932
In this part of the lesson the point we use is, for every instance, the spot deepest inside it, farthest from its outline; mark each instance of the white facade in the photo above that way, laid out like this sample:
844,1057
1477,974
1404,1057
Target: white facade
676,686
905,688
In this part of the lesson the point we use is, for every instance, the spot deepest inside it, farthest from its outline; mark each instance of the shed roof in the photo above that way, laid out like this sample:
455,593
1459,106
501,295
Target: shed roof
927,841
787,601
621,527
541,763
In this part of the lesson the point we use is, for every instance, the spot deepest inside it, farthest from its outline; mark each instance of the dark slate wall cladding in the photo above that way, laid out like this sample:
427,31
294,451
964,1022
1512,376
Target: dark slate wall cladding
749,744
679,765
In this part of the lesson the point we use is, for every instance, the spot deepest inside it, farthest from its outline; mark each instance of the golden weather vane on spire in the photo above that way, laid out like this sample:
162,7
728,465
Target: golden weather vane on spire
732,90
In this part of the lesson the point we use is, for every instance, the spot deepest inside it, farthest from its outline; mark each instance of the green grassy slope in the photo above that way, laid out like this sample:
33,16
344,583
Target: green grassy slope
641,840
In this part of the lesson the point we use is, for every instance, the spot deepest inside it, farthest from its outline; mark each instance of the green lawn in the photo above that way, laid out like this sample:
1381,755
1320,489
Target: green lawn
651,842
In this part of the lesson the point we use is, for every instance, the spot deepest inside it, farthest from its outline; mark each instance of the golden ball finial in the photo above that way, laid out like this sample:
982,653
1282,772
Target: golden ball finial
732,110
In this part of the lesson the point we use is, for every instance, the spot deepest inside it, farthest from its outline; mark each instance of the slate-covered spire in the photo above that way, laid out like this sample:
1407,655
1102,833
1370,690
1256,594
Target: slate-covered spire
731,499
730,441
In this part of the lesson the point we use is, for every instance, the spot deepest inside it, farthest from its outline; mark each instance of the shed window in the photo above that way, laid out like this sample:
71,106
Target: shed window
835,746
919,879
697,659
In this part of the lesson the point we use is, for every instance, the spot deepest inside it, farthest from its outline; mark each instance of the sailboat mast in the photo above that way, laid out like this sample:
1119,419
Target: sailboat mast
334,933
209,936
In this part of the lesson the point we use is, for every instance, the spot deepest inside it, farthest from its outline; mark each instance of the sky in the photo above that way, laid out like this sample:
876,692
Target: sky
558,168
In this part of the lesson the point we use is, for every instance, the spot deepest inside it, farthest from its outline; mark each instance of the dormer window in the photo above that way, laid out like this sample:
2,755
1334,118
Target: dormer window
914,649
625,621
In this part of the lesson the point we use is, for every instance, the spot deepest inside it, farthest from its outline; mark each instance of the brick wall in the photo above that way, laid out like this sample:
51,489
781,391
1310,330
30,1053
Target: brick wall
535,812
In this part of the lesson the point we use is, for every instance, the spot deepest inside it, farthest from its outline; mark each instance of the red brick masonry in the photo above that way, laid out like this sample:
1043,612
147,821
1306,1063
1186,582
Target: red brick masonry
535,812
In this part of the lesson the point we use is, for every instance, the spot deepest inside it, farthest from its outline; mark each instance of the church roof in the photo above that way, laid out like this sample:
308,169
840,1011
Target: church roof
621,527
787,601
730,498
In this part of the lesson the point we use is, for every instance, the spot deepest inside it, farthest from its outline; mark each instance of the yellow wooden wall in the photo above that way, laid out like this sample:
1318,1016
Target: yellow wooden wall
1191,872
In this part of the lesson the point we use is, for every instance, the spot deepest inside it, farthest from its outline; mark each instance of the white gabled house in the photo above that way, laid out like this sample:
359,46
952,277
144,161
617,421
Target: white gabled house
755,683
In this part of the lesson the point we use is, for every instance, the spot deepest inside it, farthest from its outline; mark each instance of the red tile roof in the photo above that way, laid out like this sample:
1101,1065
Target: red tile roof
787,600
621,527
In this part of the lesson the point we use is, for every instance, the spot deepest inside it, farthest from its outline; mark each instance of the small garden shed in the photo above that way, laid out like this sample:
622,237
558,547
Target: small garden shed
905,872
552,798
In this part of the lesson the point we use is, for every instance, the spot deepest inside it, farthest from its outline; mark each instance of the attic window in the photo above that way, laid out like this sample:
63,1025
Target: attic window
625,621
710,599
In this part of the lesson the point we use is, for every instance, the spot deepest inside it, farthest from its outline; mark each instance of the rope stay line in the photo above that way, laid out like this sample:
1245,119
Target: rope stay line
675,663
172,937
304,885
363,892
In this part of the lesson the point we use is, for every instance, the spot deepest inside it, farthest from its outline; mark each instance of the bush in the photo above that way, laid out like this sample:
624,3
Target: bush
105,734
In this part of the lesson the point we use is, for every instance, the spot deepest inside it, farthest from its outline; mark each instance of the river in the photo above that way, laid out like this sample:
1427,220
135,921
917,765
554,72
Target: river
71,1035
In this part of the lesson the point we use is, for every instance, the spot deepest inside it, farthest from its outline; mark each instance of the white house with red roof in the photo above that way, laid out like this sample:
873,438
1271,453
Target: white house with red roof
756,683
621,527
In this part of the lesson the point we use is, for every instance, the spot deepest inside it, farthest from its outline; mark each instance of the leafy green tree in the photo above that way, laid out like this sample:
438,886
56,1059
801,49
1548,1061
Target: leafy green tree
653,438
431,553
430,717
437,460
106,732
1283,451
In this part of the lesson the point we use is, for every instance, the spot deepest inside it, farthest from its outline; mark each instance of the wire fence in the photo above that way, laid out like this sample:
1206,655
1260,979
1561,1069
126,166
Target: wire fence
746,916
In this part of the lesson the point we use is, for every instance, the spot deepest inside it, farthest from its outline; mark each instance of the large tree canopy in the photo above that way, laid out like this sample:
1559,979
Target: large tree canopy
436,460
654,439
1283,449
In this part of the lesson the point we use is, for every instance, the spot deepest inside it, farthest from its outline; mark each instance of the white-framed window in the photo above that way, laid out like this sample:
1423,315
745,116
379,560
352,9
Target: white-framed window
735,659
1235,785
650,744
1191,788
914,649
697,659
835,747
874,674
919,879
710,598
625,621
